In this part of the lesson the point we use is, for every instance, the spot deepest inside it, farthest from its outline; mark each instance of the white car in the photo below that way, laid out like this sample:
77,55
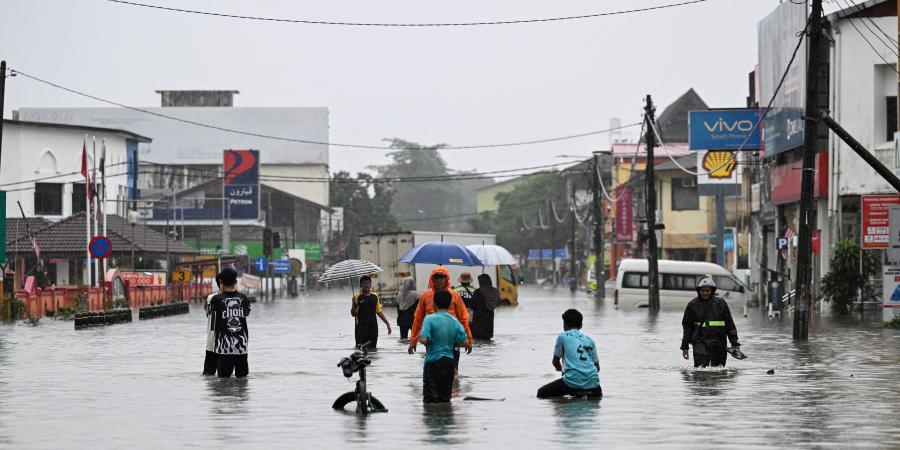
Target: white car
677,283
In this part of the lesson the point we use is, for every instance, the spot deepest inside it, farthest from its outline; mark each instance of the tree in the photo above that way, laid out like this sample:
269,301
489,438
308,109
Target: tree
435,203
366,206
842,284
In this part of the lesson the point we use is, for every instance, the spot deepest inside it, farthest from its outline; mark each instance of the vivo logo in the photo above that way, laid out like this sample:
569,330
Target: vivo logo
722,126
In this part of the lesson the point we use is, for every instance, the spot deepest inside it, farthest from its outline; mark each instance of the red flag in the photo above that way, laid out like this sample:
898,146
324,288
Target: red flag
88,183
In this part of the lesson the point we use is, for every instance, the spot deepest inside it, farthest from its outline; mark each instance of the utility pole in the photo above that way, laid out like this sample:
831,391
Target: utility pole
2,100
553,242
573,276
650,180
802,311
600,291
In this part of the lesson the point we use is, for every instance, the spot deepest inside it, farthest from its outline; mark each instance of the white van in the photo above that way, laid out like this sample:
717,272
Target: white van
677,283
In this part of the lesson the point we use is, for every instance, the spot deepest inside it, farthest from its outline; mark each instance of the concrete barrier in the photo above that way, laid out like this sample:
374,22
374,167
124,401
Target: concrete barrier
102,318
171,309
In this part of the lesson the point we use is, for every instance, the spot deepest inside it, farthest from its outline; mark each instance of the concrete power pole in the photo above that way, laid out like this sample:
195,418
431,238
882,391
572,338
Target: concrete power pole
650,180
803,298
600,292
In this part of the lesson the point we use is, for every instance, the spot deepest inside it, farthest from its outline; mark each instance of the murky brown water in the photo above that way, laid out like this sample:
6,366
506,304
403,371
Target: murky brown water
139,385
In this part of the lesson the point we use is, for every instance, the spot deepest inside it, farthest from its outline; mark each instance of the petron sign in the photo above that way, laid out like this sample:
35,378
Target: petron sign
241,183
724,129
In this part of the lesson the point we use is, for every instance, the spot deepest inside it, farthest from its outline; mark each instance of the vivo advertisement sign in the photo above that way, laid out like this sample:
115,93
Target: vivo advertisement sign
241,183
726,129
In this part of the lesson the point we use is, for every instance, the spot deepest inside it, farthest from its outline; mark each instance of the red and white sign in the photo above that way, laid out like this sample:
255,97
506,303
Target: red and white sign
786,180
144,278
250,281
876,220
624,214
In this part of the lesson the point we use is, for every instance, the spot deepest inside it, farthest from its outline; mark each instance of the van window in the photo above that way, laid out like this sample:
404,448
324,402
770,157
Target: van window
727,283
507,273
636,280
679,282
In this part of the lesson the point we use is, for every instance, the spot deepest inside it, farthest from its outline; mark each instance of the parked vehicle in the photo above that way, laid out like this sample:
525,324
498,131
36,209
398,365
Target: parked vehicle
385,250
677,283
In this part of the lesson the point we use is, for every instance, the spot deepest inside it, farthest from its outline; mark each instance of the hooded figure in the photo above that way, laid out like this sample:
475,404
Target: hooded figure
407,300
426,306
707,323
484,301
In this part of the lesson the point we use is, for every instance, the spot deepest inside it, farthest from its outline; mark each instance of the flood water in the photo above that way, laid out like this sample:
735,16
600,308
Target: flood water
139,385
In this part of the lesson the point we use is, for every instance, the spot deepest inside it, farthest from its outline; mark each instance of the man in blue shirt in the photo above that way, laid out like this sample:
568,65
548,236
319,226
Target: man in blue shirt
575,355
441,333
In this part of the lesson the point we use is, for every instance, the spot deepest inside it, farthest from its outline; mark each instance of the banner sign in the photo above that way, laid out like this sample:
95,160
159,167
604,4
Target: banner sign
313,250
624,214
891,287
241,183
876,220
144,278
785,180
724,129
894,251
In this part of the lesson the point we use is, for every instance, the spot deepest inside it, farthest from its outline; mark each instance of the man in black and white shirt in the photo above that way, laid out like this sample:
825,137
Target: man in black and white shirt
210,363
230,310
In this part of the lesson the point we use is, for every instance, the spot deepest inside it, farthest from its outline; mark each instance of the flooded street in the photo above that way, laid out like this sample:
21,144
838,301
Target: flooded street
139,385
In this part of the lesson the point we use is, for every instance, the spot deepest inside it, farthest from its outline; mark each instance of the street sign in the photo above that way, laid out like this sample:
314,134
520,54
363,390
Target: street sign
181,276
100,247
281,266
261,264
781,243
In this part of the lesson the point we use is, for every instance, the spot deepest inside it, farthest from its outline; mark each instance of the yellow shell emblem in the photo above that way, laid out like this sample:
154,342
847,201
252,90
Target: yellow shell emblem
719,164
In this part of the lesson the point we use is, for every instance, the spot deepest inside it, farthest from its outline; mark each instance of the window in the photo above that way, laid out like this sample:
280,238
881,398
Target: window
890,126
507,273
78,197
684,194
727,283
48,199
636,280
679,282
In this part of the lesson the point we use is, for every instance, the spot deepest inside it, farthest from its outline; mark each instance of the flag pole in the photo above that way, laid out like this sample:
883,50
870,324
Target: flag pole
103,210
87,216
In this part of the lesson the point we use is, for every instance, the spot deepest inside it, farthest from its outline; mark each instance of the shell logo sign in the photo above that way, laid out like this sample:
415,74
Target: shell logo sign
719,164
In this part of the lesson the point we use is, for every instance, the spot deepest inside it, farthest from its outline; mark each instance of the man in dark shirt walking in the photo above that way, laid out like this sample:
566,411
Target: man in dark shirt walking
230,310
707,323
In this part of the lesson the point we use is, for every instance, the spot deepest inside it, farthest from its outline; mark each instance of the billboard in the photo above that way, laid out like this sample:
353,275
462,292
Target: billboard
777,38
785,180
179,143
724,129
624,214
241,183
876,220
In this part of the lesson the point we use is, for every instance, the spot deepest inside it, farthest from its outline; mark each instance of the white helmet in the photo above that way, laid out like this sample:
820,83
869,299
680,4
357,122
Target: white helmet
706,282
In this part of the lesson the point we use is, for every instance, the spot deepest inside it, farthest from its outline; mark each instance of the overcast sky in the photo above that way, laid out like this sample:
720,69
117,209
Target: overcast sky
461,86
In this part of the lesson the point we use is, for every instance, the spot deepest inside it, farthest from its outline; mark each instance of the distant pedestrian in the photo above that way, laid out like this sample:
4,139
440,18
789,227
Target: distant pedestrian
441,334
210,362
366,307
485,300
465,289
230,309
437,282
407,300
575,355
707,323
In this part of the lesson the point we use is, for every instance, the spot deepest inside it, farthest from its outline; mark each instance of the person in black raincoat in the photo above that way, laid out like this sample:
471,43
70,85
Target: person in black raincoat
484,301
707,323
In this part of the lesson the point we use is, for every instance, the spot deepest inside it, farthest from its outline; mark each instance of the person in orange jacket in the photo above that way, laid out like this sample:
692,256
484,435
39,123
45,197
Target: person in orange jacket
439,280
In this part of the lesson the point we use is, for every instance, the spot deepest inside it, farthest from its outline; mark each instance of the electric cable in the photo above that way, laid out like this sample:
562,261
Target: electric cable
872,46
408,25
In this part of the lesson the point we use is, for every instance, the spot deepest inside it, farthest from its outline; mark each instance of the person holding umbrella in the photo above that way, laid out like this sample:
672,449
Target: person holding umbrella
366,306
440,281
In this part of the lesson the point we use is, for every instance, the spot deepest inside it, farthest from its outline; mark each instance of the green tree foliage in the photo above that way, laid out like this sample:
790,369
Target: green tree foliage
841,285
367,209
522,210
434,204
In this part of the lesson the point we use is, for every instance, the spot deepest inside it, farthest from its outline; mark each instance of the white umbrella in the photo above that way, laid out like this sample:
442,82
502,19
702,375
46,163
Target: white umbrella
350,268
493,255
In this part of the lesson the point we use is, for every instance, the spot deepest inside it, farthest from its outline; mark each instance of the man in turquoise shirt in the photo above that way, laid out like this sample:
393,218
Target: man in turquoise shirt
575,355
441,333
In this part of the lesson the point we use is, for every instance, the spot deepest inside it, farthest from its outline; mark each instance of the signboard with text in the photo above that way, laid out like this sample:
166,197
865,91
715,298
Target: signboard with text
891,287
624,214
876,220
724,129
241,183
777,37
144,278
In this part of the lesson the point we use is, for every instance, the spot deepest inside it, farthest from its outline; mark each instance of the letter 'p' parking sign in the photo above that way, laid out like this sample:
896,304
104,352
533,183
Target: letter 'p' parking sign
781,244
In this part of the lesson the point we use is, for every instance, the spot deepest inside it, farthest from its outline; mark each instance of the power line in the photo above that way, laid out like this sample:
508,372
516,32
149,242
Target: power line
410,25
872,46
891,41
307,141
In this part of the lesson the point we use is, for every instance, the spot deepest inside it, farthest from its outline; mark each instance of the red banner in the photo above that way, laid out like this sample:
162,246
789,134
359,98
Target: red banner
624,214
786,180
876,220
144,278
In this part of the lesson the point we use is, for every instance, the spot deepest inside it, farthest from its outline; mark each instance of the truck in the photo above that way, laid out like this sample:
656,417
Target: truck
385,250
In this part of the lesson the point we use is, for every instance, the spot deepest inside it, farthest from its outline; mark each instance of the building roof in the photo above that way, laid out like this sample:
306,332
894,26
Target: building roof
688,162
627,150
673,121
870,8
68,237
120,132
16,227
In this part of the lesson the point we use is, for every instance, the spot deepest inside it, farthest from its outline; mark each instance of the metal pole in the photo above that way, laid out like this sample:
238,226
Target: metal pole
573,277
2,101
87,220
96,207
810,139
720,229
652,255
860,150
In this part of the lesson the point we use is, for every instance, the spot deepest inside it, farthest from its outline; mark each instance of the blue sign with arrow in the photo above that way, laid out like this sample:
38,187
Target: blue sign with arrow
281,266
261,264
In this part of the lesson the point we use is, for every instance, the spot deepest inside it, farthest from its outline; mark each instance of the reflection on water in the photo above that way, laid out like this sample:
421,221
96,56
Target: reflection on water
138,385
